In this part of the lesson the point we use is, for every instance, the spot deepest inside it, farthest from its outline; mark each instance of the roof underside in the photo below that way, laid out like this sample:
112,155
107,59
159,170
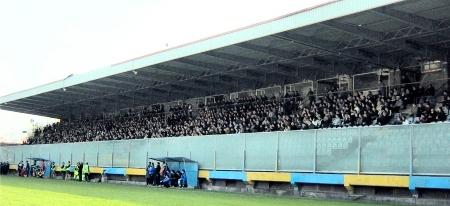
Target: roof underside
343,37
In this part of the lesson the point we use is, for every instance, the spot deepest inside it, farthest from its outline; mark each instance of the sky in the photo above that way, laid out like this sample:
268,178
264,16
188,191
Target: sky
47,40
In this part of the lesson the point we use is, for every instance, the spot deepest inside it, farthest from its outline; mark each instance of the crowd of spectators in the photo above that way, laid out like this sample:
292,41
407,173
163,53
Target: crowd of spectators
291,111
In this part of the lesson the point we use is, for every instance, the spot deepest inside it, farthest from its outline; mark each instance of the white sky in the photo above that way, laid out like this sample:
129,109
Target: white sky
47,40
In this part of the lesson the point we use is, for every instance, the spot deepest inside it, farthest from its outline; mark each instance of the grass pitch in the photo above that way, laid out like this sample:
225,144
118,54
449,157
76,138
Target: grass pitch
33,191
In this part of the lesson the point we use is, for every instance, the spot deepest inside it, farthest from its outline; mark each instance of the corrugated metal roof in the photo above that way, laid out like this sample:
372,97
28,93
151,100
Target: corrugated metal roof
283,50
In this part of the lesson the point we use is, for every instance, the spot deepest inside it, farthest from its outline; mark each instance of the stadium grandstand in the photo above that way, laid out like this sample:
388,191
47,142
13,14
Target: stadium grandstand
349,99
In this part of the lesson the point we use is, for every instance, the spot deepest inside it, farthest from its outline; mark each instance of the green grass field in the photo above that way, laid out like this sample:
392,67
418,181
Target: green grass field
32,191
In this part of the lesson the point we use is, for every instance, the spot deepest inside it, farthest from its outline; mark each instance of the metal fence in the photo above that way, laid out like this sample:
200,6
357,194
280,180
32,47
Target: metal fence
409,149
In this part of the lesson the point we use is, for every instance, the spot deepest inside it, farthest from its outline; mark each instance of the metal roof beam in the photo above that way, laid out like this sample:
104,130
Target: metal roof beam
245,76
140,77
271,51
268,67
90,87
375,36
327,68
149,96
217,81
206,65
24,101
330,47
157,94
309,41
95,84
82,90
13,108
184,71
22,105
194,84
174,93
29,99
233,57
75,93
355,30
123,80
119,101
162,75
276,68
56,97
411,19
41,98
408,18
136,98
114,81
194,91
99,102
169,91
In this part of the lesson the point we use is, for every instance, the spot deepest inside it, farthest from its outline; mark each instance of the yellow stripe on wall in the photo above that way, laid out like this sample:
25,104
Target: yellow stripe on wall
97,170
203,174
135,171
376,180
269,176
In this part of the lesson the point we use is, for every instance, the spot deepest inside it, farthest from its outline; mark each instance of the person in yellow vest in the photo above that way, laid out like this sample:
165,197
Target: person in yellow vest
86,172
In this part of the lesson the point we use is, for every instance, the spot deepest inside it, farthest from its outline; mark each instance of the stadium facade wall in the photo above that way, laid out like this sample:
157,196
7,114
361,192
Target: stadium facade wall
389,150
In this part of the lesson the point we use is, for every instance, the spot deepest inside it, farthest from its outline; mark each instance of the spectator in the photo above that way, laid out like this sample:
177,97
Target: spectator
80,171
182,182
430,91
20,168
150,173
4,168
382,87
157,174
67,171
446,101
86,170
52,170
28,169
76,171
440,115
63,170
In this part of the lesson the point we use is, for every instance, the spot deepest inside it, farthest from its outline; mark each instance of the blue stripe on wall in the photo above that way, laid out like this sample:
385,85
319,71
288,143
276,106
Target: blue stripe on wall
115,171
228,175
429,182
332,179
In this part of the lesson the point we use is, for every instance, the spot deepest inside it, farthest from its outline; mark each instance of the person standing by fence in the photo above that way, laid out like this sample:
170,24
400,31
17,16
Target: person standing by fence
86,172
52,170
28,169
20,168
157,175
62,167
67,169
80,171
149,173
